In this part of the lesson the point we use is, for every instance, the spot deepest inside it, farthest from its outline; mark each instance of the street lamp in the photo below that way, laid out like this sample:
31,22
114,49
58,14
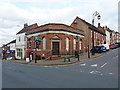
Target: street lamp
96,14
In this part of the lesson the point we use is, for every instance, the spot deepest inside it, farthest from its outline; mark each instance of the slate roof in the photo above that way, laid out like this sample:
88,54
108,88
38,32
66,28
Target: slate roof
55,29
26,28
92,27
13,41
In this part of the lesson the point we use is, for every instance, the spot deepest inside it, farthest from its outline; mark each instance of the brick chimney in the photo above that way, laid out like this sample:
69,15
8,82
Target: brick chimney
99,25
25,25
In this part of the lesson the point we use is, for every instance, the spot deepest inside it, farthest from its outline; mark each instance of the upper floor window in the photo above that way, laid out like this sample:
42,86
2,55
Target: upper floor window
44,43
19,39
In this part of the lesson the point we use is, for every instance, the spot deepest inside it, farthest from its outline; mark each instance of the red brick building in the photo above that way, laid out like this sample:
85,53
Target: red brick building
55,40
90,32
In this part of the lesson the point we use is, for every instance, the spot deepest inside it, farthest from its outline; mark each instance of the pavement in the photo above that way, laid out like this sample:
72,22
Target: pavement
82,58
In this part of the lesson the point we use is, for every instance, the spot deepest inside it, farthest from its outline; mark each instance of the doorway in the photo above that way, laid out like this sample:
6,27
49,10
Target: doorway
55,48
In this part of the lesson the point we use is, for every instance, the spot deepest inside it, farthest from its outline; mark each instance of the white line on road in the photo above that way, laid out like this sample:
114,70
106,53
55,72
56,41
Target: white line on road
110,73
92,71
94,65
103,65
83,64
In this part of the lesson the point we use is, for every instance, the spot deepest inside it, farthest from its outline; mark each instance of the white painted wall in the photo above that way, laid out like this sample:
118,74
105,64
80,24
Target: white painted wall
12,46
107,37
21,44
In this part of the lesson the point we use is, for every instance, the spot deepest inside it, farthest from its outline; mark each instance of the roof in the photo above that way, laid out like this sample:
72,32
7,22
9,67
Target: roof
92,27
13,41
25,29
49,27
57,24
54,29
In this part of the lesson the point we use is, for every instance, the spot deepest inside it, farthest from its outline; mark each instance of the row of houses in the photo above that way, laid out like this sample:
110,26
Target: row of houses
57,40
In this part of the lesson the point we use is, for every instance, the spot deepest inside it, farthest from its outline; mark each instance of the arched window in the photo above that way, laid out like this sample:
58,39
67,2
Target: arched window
74,44
80,44
44,43
67,44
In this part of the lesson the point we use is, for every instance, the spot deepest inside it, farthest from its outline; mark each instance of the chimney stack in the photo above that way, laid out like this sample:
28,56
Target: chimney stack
98,24
25,25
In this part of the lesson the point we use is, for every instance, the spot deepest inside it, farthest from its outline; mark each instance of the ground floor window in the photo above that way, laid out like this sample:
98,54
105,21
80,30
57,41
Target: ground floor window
44,43
67,44
74,44
80,44
19,52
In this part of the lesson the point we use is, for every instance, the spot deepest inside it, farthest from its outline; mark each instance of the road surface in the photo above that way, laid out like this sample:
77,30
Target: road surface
101,72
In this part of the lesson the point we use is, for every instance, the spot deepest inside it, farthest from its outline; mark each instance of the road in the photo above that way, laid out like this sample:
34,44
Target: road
101,72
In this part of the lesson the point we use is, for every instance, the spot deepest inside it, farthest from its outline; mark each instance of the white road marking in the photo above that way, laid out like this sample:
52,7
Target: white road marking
94,65
83,64
110,73
92,71
103,65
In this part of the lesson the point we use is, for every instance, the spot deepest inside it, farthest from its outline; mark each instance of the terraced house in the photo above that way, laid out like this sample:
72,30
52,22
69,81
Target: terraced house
93,35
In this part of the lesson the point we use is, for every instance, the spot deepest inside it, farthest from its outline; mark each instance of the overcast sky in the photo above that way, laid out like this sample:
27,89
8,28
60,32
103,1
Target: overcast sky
14,13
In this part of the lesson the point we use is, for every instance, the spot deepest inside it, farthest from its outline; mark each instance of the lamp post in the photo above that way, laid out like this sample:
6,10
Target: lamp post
96,14
37,42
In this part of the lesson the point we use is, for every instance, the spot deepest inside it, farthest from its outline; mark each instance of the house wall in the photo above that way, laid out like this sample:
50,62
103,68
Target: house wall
20,46
62,43
12,46
98,38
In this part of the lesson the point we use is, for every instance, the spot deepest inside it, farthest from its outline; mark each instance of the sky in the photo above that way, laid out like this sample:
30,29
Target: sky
15,13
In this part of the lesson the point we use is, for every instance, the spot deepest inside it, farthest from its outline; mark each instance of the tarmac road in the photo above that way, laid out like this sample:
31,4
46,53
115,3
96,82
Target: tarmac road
99,73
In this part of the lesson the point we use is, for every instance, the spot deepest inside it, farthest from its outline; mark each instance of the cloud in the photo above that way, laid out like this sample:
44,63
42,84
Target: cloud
18,12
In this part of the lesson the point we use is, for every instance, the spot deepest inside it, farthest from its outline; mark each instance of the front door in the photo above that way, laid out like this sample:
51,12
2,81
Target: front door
55,48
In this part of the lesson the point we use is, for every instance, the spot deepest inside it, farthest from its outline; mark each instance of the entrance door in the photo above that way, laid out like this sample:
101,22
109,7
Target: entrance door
55,48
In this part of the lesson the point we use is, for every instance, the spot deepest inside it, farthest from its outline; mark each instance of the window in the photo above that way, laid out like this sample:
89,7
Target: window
19,52
74,44
19,39
80,44
91,34
44,43
67,44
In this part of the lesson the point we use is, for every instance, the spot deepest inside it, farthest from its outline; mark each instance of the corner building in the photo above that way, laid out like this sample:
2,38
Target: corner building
56,40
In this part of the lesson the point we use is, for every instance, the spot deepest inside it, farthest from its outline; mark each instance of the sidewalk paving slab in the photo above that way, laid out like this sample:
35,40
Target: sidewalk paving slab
83,58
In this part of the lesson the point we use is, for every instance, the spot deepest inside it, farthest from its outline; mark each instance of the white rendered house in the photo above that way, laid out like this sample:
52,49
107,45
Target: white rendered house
21,41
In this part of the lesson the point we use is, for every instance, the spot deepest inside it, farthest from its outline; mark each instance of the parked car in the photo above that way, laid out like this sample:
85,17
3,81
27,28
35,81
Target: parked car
98,49
105,45
113,46
118,44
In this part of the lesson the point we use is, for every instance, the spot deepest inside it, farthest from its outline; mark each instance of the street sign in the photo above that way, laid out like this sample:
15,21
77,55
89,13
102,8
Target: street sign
77,37
37,38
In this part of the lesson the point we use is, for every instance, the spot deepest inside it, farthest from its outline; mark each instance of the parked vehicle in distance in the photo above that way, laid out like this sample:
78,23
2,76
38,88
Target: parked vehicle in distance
113,46
105,45
98,49
118,44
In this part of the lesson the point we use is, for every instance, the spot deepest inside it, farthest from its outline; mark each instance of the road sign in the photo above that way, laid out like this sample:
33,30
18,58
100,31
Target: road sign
37,38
